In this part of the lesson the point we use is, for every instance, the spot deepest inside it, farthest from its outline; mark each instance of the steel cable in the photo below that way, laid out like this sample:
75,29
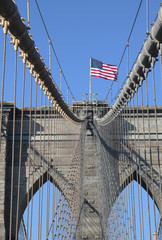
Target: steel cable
53,47
3,76
127,40
20,151
13,140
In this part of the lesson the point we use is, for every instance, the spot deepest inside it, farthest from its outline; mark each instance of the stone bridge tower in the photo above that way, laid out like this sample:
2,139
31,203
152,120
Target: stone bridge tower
72,161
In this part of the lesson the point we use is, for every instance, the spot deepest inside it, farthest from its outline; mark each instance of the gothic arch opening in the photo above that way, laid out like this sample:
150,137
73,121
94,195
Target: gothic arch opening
48,213
135,176
134,214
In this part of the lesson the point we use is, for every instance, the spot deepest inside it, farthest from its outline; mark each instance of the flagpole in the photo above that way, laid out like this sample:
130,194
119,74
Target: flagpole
90,82
117,83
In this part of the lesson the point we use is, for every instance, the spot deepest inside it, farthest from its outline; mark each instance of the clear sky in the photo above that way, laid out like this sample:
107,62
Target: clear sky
80,29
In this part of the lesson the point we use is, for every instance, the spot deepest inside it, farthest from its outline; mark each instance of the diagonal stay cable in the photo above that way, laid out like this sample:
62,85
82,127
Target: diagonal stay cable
52,46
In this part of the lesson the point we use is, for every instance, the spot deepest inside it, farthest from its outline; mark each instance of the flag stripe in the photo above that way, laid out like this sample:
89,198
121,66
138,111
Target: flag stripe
110,66
107,78
100,74
103,73
110,69
103,70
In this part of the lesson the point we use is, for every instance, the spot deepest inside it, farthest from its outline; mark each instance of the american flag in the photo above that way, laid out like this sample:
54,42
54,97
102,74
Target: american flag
103,70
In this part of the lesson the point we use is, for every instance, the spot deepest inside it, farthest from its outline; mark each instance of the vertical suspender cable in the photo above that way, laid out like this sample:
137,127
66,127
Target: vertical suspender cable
159,149
111,96
135,151
147,14
157,140
148,122
40,163
49,55
126,174
49,166
127,58
129,172
44,142
50,161
61,80
160,52
13,138
145,159
27,231
53,156
20,151
122,166
139,168
124,192
34,150
49,153
67,95
131,177
3,74
28,13
47,195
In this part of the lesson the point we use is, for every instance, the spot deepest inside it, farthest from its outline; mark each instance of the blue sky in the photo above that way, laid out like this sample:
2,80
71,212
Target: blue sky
80,29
